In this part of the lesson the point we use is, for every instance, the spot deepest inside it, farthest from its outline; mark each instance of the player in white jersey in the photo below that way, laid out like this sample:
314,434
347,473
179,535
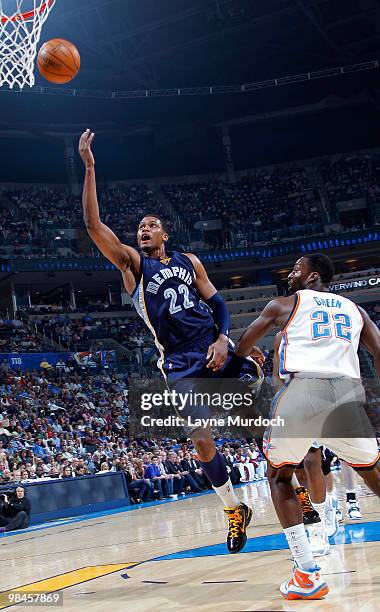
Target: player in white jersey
323,398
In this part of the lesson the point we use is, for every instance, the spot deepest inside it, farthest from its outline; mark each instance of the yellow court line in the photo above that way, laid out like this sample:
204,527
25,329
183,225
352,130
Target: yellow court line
63,581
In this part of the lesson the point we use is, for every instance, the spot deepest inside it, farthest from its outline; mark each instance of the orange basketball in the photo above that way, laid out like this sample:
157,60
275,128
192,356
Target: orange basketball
58,60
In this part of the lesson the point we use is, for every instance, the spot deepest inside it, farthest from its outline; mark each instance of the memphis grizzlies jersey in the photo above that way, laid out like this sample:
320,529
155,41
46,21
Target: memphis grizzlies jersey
168,301
321,337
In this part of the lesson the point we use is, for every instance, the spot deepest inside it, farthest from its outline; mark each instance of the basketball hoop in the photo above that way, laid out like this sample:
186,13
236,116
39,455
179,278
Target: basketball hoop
19,36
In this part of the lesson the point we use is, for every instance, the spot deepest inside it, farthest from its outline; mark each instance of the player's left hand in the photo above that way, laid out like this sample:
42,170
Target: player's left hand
217,354
257,355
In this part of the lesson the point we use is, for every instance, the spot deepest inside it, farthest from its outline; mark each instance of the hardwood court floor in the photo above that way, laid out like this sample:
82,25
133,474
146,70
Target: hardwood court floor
172,556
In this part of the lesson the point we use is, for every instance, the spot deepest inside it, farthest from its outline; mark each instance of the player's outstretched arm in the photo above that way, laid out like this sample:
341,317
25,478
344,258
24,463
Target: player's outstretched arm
370,338
274,314
122,256
257,329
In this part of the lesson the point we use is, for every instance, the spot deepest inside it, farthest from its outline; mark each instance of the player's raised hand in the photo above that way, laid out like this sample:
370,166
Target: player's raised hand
85,148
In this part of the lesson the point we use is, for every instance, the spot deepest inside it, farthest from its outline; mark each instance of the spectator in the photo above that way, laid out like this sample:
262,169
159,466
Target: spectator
80,471
193,467
40,472
15,514
25,476
244,464
16,477
139,489
189,483
104,467
152,472
54,472
230,462
67,472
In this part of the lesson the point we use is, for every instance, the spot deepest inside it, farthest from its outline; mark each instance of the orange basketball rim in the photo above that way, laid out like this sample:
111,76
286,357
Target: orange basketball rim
27,15
20,33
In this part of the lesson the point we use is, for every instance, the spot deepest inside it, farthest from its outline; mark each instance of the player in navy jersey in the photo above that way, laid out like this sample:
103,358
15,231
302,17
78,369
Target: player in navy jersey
190,323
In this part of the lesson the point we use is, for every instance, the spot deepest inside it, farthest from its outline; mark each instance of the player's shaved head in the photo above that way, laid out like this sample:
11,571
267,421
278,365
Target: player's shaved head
311,271
322,264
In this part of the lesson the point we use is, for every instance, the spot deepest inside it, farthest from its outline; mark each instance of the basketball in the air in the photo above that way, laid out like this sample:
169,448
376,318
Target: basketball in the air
58,60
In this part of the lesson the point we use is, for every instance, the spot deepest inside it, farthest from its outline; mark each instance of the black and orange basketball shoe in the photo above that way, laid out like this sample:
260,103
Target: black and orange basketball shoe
310,515
238,521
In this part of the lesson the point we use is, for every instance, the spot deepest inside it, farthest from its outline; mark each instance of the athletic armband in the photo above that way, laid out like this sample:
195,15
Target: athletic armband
220,313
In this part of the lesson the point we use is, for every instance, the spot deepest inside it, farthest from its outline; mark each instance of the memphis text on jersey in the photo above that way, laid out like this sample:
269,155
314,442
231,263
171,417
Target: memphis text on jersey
166,273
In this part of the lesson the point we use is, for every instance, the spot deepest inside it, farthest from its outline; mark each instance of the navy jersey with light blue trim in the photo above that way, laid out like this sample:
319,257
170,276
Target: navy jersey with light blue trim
168,301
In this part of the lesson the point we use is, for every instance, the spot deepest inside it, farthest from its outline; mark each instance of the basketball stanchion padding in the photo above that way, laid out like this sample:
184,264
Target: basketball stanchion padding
20,33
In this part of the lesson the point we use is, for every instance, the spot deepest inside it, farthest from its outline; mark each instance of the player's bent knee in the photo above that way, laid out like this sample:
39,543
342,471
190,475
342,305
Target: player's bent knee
312,463
280,475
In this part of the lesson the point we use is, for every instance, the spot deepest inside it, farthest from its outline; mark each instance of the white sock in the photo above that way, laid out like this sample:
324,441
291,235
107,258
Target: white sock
321,527
321,509
295,482
330,498
227,495
300,547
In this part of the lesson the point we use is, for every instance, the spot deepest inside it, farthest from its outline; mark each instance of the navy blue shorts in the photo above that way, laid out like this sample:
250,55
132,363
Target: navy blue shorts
186,372
191,362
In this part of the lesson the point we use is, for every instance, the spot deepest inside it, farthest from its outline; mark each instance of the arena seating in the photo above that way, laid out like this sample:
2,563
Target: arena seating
54,425
60,424
263,205
17,337
30,219
71,333
350,176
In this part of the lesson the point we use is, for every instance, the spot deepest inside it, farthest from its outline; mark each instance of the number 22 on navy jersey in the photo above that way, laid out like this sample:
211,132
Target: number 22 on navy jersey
168,301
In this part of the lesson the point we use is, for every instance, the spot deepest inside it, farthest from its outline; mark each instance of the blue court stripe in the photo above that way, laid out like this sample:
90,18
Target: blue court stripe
350,534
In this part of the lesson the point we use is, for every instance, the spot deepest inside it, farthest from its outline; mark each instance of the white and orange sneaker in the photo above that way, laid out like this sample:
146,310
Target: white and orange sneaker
304,585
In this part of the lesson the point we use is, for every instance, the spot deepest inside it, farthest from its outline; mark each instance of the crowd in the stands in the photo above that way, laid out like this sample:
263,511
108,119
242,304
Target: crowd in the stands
71,332
69,426
264,205
17,337
64,306
68,423
351,176
27,216
31,219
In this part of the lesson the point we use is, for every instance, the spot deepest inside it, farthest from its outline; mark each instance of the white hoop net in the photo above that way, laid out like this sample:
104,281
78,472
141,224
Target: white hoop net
20,33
